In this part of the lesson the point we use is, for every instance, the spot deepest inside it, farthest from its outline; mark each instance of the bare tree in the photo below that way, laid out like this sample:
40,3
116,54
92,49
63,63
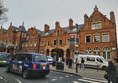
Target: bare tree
3,17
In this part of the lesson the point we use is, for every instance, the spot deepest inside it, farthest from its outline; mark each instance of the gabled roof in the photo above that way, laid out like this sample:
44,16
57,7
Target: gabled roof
66,29
14,28
4,30
74,28
22,28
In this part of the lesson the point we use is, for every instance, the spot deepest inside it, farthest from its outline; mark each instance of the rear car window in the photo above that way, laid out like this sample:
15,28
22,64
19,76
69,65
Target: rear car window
23,57
40,58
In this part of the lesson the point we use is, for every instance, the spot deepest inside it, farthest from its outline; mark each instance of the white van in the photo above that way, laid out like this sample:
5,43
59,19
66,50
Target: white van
93,61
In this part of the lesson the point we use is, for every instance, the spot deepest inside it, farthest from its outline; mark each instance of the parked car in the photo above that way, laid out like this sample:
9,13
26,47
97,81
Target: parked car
29,64
50,59
4,57
93,61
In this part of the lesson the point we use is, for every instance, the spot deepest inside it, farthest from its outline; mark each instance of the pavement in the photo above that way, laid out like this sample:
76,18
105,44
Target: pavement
87,72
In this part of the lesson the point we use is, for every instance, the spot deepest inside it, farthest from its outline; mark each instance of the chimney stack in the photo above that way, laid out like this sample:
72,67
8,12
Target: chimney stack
57,24
112,18
85,18
46,28
70,22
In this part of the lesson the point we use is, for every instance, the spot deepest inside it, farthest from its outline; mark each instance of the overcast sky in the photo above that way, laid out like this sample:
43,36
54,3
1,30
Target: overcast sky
40,12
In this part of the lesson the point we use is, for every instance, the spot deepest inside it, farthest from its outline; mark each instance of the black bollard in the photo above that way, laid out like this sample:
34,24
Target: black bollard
76,68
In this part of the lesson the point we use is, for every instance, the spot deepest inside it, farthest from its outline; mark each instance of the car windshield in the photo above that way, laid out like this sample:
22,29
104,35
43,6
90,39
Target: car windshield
40,58
4,55
104,60
49,57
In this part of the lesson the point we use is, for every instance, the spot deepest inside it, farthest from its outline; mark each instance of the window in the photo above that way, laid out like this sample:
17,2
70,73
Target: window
34,43
26,44
87,39
105,37
42,43
4,56
40,58
99,60
20,57
96,38
58,33
90,59
68,41
88,50
27,57
60,42
55,42
72,39
106,53
30,44
96,25
48,43
97,50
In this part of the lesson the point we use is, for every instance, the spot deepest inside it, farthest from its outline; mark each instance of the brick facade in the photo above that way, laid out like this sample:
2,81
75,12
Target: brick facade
97,35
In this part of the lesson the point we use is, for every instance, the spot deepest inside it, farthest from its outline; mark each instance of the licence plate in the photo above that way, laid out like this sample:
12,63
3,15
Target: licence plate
43,67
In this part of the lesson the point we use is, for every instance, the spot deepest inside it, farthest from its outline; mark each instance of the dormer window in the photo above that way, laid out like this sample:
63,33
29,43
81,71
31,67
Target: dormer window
96,25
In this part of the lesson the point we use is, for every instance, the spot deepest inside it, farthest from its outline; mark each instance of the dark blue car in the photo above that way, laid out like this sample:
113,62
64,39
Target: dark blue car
29,64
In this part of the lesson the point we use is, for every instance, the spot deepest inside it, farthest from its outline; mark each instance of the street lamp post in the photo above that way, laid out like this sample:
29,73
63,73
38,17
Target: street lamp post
77,43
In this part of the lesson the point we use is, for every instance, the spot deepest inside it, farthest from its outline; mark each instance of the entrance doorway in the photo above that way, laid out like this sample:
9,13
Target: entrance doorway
57,53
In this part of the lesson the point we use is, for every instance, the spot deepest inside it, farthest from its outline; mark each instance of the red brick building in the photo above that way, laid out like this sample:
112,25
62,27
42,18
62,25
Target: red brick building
97,35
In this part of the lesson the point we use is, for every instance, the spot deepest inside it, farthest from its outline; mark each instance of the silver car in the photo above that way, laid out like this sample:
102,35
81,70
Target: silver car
50,59
4,57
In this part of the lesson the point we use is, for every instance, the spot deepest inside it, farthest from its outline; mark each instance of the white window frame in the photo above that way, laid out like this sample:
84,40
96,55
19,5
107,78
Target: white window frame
98,36
96,25
108,37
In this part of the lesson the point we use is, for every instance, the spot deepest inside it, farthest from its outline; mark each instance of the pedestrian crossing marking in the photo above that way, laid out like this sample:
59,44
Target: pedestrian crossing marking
76,82
66,76
61,77
90,80
95,79
54,79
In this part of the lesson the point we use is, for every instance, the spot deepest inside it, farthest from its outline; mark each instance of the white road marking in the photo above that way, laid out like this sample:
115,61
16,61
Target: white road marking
61,77
51,76
1,77
84,79
54,79
95,79
18,80
87,81
66,76
4,79
76,82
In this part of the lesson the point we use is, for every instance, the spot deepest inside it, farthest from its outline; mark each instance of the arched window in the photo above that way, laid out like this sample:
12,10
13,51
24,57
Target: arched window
106,53
88,50
97,50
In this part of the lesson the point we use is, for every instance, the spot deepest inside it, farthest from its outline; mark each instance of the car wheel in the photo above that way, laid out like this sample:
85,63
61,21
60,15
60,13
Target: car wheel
7,69
43,76
104,68
25,74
